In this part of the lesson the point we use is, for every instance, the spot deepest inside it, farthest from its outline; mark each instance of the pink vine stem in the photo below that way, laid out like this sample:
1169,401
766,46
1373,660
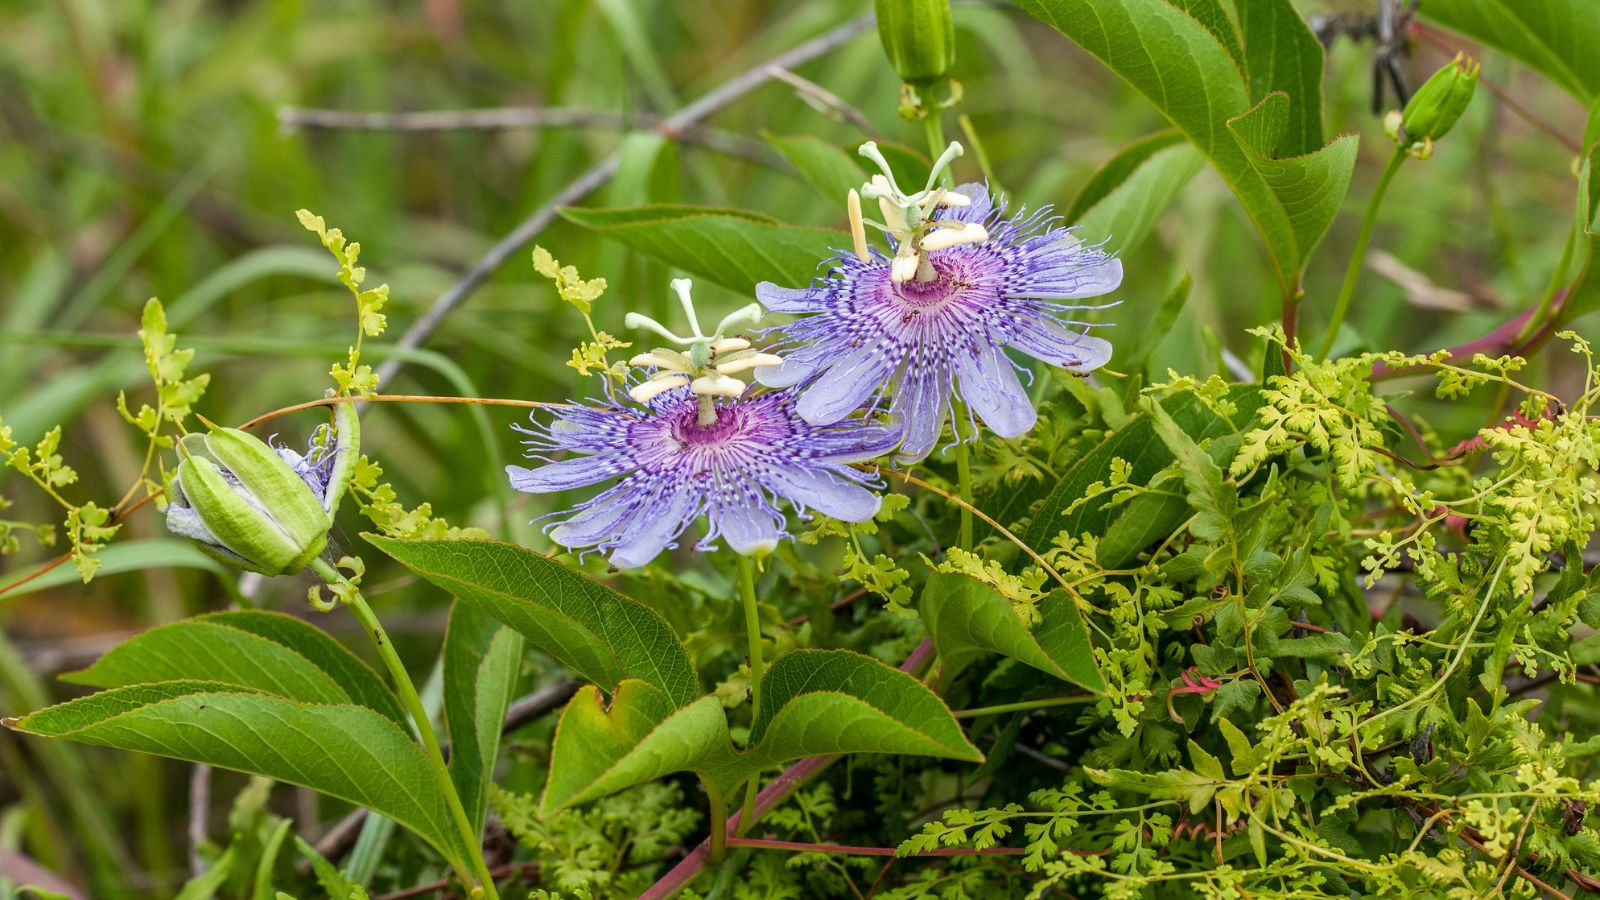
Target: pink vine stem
771,795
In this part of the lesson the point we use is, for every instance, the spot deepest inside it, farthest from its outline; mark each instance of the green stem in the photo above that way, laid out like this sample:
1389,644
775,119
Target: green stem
752,625
719,823
963,472
1557,279
1024,705
933,130
481,882
1353,271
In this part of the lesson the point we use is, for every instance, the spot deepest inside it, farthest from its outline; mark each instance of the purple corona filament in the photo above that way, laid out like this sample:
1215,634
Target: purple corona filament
918,342
672,469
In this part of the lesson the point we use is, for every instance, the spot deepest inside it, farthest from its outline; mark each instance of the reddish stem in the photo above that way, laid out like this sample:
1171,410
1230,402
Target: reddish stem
770,796
854,850
1499,342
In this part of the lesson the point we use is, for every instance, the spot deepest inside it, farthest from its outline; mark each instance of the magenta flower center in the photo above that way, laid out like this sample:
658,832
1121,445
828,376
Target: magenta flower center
687,431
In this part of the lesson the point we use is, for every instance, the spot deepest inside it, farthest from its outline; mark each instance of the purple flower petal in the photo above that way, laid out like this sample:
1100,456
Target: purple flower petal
740,516
793,370
990,387
863,338
1048,340
658,523
758,452
977,210
603,520
920,408
568,473
827,494
1102,275
845,385
790,300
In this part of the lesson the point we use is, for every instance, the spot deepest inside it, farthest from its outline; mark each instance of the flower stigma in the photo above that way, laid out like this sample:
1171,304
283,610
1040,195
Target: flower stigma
707,363
909,218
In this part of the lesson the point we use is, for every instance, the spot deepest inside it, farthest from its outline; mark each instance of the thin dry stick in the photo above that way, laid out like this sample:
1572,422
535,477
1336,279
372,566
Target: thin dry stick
396,398
826,98
502,117
510,117
602,172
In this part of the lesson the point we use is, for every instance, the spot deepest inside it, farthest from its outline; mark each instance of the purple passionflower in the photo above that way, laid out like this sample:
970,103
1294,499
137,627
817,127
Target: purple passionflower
920,340
673,469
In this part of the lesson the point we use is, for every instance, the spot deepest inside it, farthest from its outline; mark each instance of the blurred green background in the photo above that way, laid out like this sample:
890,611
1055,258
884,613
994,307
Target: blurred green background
144,152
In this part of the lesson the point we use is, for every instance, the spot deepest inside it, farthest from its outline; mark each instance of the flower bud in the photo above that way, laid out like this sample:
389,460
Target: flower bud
918,37
1436,106
262,508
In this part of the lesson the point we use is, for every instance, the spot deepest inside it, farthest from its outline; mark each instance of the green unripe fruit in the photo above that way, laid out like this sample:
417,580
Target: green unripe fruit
259,508
1438,105
918,37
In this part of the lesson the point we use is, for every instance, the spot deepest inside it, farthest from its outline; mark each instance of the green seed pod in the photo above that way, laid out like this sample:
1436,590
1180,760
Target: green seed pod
250,505
1439,103
919,38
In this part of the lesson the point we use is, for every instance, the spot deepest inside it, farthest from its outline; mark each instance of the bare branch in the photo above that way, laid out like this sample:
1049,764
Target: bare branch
828,100
602,172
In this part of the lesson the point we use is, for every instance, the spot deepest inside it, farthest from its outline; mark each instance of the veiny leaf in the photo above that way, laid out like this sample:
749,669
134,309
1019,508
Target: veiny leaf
266,651
590,628
733,248
1195,80
1556,37
1309,187
817,702
640,737
480,672
1136,443
967,619
1215,19
835,701
1281,54
830,169
348,752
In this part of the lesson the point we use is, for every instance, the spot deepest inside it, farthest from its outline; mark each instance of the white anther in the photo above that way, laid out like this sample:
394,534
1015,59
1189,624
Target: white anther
904,268
858,231
753,361
649,390
954,199
717,386
730,345
941,238
662,358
